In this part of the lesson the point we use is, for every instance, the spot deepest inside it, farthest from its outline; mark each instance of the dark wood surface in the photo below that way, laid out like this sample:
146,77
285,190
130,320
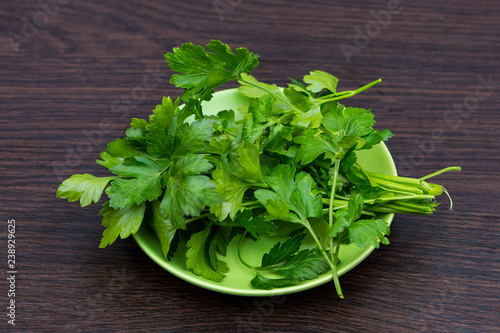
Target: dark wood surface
440,273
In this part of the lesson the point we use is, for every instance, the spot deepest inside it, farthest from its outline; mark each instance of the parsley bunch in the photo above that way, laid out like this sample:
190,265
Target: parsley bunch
286,163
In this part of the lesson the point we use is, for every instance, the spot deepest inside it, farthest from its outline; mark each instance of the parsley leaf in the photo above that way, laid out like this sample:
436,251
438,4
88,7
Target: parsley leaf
319,80
281,253
286,259
256,226
310,118
108,161
233,181
253,88
187,191
305,265
163,228
312,144
192,138
163,114
262,282
356,122
141,180
85,187
198,256
299,194
369,232
345,218
121,222
249,163
361,232
278,139
122,148
202,71
218,244
231,189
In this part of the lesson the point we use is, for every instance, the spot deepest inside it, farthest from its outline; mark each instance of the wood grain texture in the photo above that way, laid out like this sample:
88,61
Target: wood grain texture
440,273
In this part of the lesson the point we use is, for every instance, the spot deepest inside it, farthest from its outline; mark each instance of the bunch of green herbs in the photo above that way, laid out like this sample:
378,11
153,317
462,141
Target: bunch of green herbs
287,161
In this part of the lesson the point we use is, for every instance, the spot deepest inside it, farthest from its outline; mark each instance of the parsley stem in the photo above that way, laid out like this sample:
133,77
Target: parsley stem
334,271
330,223
239,252
349,93
197,218
455,168
328,260
332,198
249,203
258,205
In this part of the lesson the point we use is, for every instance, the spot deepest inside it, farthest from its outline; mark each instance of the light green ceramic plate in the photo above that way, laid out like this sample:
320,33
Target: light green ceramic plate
237,280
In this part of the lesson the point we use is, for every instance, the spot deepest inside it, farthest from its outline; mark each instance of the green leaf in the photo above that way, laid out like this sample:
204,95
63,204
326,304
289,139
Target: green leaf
313,143
311,118
305,197
281,180
342,121
202,71
220,145
355,207
198,256
376,137
253,88
300,194
218,244
108,161
262,282
348,161
261,108
122,148
163,228
369,232
299,100
278,139
192,138
342,222
280,253
345,218
160,143
85,187
251,130
275,207
163,114
136,137
320,228
256,226
231,189
305,265
288,261
351,141
187,192
319,80
141,180
249,163
241,62
121,222
139,124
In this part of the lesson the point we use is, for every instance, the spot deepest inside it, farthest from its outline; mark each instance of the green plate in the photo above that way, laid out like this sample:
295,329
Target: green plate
237,280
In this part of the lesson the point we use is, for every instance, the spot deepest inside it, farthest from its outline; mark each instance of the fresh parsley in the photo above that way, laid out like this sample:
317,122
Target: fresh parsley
286,162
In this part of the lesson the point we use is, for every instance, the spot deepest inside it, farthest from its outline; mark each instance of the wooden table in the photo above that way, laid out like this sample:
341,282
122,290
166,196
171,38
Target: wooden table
65,66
